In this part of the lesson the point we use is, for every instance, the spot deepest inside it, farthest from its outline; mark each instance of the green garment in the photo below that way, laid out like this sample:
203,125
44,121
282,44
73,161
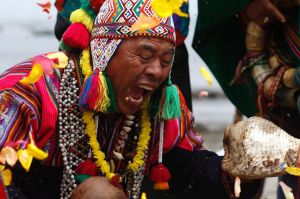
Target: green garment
220,41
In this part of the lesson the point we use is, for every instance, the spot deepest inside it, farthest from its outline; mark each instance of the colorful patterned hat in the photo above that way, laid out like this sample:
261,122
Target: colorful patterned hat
114,23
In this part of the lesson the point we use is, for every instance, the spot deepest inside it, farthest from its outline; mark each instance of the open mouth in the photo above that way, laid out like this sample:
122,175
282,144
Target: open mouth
138,92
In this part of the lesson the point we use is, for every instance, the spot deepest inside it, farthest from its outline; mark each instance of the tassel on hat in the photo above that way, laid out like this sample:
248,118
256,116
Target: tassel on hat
94,94
89,91
167,102
160,174
171,106
97,93
170,102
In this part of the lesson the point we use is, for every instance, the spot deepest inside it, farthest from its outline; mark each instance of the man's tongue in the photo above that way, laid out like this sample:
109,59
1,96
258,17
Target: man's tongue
136,92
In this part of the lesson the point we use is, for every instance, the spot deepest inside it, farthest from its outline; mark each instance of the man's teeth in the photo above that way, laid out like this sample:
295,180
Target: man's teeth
137,100
146,87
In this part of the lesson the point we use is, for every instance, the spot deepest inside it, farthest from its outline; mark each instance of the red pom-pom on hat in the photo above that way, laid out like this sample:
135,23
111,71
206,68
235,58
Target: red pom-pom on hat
160,175
76,36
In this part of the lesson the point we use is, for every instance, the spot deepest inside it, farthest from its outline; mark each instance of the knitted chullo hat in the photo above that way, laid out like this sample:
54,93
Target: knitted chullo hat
113,24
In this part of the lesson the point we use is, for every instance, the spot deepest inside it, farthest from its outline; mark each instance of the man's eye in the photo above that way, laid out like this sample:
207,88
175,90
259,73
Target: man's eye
167,59
167,62
146,57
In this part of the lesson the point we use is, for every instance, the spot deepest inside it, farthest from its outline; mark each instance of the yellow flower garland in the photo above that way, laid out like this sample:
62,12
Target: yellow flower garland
93,142
142,145
85,63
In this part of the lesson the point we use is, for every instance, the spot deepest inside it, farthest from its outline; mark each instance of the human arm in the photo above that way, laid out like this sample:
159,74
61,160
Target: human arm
18,115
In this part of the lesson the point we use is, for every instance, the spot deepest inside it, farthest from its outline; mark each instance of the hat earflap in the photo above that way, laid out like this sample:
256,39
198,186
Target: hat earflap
97,93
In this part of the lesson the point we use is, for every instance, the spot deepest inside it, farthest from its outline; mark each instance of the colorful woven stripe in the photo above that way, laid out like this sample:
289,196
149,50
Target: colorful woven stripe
28,108
122,31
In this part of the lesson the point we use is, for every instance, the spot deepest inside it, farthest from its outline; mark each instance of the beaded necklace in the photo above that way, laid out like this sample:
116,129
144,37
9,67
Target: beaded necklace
72,138
136,167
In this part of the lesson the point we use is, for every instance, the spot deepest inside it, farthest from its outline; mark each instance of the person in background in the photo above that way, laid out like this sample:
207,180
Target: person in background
252,48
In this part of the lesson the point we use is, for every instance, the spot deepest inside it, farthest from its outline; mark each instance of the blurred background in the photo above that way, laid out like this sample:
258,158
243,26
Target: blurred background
26,31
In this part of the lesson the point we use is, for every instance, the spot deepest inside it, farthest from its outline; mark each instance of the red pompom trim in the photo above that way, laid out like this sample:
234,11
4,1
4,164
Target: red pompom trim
160,173
87,167
76,36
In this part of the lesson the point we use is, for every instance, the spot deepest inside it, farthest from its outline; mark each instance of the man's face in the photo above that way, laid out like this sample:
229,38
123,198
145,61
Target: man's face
137,69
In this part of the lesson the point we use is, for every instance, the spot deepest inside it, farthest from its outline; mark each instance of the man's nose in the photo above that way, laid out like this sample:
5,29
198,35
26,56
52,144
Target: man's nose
154,69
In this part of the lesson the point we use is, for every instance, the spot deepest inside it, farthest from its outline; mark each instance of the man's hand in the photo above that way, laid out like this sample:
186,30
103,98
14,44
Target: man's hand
263,12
